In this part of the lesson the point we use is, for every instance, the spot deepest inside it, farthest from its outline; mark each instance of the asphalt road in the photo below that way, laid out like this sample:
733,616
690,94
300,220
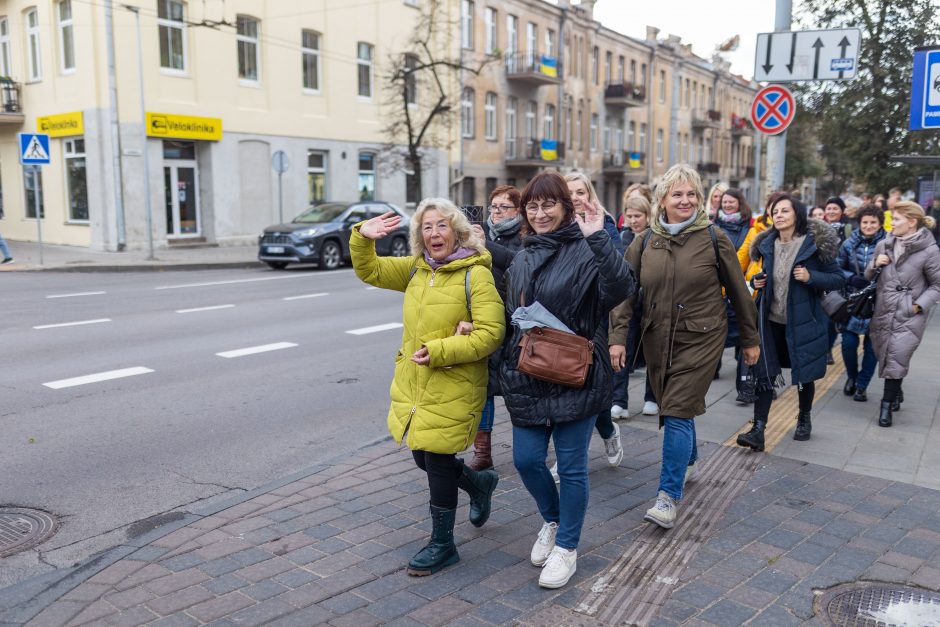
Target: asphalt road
184,426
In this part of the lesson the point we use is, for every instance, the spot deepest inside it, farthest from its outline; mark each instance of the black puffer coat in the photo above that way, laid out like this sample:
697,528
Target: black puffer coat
807,323
580,280
502,248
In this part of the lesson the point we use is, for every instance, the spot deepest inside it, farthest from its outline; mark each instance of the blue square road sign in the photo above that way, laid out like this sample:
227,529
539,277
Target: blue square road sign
925,90
34,149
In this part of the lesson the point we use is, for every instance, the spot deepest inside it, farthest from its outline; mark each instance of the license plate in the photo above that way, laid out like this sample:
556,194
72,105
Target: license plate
275,250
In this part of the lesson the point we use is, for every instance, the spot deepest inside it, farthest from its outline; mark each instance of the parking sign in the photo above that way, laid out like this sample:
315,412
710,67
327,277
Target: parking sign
925,89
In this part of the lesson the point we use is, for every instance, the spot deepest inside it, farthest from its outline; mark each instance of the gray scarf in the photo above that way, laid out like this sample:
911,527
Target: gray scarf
675,229
499,229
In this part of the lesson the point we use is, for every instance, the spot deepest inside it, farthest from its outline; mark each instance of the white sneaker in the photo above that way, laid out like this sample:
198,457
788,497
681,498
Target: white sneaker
650,408
663,513
617,412
554,471
544,544
691,473
613,447
561,564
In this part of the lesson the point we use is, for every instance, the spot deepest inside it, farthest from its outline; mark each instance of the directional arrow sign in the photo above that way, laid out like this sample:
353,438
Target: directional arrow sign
808,55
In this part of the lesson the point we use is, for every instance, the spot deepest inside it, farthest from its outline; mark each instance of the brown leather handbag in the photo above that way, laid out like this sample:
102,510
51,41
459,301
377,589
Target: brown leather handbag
556,356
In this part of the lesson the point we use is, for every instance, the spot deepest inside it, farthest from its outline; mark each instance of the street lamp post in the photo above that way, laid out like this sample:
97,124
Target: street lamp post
143,130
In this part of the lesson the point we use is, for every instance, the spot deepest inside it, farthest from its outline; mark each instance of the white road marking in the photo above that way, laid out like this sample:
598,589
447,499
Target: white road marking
264,348
210,308
72,324
75,294
306,296
305,275
96,378
376,328
372,287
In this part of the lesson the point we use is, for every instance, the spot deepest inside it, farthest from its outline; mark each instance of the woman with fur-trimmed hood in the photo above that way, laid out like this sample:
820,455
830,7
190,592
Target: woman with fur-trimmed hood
799,265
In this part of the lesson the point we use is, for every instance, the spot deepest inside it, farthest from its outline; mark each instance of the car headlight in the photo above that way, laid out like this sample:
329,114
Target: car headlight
305,233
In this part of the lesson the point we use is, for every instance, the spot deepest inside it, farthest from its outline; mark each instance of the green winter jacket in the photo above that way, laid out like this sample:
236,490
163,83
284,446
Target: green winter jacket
438,405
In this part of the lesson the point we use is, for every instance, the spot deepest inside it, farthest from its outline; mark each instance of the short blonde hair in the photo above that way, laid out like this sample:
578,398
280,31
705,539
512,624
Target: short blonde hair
912,211
572,177
641,188
637,203
678,174
719,186
466,238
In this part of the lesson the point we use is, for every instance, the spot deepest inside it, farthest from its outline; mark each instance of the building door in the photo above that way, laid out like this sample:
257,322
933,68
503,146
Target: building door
181,189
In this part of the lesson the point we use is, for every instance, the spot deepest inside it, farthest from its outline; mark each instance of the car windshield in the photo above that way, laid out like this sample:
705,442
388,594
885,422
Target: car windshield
321,213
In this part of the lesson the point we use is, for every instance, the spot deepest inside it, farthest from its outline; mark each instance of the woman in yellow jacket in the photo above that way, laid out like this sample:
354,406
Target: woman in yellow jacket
453,319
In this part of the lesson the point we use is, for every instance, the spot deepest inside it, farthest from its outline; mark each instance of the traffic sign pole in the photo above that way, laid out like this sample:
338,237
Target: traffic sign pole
280,163
37,199
777,144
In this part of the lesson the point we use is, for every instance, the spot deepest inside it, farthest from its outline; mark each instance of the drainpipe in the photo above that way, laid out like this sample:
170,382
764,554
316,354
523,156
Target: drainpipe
674,113
649,113
560,127
115,128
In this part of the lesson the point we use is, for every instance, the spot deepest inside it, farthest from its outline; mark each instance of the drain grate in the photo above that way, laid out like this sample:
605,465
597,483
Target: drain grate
874,604
21,529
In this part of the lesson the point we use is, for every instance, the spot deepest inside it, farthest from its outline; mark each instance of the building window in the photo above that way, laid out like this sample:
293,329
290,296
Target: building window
469,183
32,181
631,136
530,115
35,52
489,21
412,191
411,79
643,138
466,113
66,36
608,61
595,60
659,144
512,34
466,24
549,125
366,176
364,64
580,129
531,42
633,72
621,68
618,137
489,116
662,86
550,43
511,106
606,137
6,61
76,182
246,37
643,74
594,121
316,175
310,53
170,16
568,115
490,186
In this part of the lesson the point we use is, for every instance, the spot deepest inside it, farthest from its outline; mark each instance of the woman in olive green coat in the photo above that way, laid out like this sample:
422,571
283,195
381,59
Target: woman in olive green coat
453,319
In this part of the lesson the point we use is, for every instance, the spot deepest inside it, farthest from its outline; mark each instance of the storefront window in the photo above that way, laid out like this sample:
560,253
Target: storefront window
76,180
366,176
316,175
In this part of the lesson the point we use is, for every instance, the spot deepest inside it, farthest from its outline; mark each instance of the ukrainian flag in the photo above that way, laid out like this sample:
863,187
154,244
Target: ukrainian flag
549,150
549,66
636,159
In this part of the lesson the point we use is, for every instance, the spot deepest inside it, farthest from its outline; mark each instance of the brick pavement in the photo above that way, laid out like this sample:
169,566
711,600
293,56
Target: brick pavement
760,537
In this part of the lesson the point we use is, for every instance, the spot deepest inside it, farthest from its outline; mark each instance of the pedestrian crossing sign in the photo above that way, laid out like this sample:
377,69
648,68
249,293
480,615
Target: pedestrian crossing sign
34,149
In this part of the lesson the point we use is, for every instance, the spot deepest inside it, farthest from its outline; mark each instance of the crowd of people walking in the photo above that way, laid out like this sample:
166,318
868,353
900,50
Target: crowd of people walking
551,304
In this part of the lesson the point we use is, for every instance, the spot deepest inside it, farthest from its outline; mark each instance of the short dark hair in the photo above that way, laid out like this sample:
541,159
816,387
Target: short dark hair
514,195
548,185
798,208
743,207
871,210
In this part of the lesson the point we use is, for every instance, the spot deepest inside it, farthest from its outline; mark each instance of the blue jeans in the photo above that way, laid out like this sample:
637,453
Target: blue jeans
679,452
489,410
4,249
850,343
529,449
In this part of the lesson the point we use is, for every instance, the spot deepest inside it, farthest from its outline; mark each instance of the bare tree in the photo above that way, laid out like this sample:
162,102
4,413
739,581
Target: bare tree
420,104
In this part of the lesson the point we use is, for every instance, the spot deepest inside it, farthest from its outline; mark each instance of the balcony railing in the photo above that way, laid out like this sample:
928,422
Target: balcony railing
11,111
527,152
706,118
624,95
711,167
532,68
622,161
740,126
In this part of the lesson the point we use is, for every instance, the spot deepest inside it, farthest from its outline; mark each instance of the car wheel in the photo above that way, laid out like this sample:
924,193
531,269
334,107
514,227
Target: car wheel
277,265
330,256
399,247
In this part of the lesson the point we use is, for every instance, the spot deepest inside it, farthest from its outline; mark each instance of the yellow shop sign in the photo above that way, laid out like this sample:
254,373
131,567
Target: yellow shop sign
183,126
62,125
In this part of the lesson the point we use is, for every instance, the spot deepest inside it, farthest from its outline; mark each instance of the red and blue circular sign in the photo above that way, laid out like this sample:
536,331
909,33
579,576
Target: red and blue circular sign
773,109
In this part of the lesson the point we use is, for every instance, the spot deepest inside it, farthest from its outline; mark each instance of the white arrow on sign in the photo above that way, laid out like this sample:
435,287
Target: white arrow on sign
808,55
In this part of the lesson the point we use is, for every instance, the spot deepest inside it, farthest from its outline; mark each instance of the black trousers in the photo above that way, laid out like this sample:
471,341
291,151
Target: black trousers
892,390
443,470
765,393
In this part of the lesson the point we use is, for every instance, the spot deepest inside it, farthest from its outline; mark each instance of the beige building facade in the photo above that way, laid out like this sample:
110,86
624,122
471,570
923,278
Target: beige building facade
226,86
564,92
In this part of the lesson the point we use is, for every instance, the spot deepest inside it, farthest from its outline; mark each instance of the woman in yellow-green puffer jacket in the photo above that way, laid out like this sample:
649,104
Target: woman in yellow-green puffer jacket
453,319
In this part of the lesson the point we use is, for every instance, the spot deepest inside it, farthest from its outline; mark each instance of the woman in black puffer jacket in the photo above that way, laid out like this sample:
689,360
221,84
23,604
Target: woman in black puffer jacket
570,266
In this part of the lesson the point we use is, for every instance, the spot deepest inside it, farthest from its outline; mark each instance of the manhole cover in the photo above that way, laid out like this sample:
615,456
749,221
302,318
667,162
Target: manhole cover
21,529
874,604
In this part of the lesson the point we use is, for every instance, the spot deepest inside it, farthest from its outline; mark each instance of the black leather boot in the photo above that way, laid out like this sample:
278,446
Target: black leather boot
849,388
480,485
754,438
886,417
896,405
804,426
860,395
441,550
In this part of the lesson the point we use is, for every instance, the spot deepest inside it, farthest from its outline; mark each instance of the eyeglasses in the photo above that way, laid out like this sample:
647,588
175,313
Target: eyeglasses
547,207
501,208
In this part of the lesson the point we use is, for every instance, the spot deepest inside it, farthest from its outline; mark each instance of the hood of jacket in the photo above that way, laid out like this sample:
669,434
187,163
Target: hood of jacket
823,235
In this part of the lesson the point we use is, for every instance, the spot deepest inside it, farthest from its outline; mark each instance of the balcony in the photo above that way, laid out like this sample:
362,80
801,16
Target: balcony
711,167
740,126
523,152
532,69
706,118
10,109
749,172
624,95
622,162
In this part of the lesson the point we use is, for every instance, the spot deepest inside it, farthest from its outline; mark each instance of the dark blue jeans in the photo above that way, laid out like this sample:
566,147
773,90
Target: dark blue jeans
567,505
486,421
679,452
850,342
